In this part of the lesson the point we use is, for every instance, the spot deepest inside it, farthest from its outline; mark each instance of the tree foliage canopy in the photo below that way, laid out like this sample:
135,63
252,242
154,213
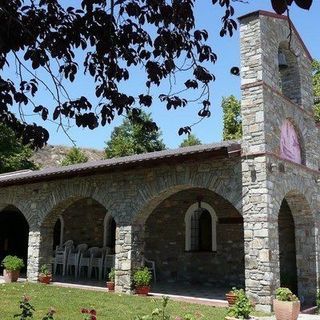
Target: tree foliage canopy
74,156
131,138
316,88
13,154
158,36
232,122
191,140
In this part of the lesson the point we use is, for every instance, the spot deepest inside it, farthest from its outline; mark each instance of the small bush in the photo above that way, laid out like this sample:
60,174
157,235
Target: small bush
285,294
318,301
112,275
142,277
44,270
243,306
12,263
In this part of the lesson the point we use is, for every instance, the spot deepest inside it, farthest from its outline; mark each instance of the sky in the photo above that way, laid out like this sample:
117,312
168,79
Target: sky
228,51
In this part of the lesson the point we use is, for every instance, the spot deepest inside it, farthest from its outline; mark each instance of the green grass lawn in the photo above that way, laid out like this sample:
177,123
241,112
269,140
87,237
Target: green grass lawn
68,303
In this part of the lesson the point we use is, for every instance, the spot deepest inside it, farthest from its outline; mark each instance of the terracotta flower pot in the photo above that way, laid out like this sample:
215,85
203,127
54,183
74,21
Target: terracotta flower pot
11,276
286,310
110,285
45,278
231,298
143,290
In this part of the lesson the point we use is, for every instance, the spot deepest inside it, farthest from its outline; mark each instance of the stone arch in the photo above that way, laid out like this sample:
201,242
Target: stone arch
289,72
303,232
150,196
65,194
60,206
164,234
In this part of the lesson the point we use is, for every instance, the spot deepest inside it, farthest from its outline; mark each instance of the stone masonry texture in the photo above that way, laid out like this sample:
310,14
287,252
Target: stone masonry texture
267,208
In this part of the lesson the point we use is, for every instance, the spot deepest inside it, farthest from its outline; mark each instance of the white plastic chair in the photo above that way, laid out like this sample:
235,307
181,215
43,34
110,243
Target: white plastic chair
151,265
73,258
61,256
85,259
108,263
96,262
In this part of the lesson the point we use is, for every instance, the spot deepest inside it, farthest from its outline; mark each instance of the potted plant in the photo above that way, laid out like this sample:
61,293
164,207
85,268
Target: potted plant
45,275
142,278
12,266
242,307
286,305
110,283
231,296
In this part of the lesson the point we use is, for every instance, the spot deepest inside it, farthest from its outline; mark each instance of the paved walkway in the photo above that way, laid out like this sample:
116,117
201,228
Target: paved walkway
301,317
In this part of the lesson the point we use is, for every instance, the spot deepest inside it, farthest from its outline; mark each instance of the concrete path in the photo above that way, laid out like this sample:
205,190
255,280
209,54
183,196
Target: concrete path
301,317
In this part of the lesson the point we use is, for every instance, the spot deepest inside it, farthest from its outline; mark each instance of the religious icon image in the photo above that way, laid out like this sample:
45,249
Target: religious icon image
289,143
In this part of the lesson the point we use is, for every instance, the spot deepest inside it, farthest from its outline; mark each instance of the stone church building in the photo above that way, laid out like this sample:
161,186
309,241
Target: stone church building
228,214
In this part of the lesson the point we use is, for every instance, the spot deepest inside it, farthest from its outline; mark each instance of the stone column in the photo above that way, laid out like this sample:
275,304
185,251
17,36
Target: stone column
306,255
39,250
129,255
260,234
33,255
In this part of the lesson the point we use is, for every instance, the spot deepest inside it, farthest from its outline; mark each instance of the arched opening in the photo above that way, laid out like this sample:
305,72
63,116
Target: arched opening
215,257
289,73
287,249
14,234
297,248
83,221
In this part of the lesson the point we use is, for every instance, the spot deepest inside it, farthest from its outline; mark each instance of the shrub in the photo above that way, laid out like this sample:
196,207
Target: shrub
318,301
285,294
243,306
112,275
142,277
44,270
12,263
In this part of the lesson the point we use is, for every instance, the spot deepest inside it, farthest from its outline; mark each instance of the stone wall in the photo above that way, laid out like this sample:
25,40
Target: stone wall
165,243
83,222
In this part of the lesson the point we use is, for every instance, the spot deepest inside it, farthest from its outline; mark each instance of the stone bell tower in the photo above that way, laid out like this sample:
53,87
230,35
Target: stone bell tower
280,156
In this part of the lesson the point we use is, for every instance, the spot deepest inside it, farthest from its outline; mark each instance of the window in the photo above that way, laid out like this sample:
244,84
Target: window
289,73
58,232
109,236
200,228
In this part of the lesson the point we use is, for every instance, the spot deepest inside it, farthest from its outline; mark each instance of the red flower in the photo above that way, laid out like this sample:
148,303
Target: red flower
83,310
93,312
93,318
